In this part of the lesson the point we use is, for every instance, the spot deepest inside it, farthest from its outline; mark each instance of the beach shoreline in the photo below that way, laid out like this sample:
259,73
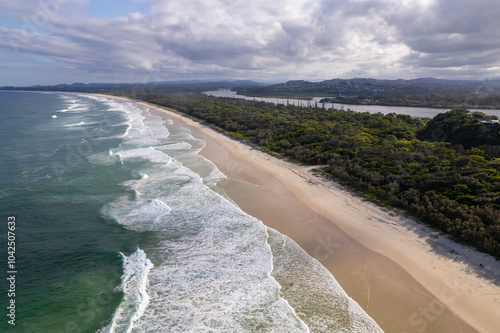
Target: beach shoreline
405,276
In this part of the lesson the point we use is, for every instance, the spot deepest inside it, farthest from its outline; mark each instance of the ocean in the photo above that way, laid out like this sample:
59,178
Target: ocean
120,227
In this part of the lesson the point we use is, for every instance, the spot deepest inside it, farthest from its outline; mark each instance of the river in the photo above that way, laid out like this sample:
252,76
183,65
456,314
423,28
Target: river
412,111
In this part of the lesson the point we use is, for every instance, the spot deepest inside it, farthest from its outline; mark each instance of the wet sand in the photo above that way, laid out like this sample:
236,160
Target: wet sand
406,277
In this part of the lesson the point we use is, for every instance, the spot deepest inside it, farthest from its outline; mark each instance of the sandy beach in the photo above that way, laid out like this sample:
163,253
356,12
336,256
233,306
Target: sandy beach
405,276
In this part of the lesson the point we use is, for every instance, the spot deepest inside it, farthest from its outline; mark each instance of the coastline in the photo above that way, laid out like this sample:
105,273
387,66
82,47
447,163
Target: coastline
401,273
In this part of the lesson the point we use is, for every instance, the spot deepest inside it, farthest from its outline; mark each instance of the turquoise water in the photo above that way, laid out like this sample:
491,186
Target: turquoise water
119,228
67,254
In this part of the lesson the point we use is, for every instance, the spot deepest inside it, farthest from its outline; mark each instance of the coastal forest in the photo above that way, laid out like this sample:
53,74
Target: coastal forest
444,172
433,93
435,100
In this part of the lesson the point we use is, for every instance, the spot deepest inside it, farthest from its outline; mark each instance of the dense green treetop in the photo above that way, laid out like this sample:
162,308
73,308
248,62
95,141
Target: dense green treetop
459,126
444,172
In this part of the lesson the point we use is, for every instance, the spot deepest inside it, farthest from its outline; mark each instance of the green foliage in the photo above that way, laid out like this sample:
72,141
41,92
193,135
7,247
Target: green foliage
443,101
459,126
423,167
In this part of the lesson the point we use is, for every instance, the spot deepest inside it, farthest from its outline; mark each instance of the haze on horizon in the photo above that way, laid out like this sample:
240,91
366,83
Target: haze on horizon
64,41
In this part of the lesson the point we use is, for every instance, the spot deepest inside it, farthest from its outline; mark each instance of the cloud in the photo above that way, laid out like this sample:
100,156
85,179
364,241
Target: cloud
452,34
260,39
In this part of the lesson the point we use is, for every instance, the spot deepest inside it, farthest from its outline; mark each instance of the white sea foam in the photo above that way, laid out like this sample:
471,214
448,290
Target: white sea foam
136,269
137,134
53,116
174,146
213,264
312,290
70,98
217,263
75,124
213,177
148,153
137,214
105,158
71,107
77,107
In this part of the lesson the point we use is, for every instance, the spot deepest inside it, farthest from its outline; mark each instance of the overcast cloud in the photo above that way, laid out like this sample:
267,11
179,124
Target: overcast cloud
53,41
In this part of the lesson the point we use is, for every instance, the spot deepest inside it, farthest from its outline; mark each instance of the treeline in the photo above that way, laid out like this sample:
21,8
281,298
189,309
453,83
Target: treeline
472,101
423,167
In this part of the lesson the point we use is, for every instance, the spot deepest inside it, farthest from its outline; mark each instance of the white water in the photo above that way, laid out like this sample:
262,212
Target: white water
136,268
213,265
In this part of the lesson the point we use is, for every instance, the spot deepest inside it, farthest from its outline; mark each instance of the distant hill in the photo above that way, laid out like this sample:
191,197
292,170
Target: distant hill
423,92
345,88
377,87
148,87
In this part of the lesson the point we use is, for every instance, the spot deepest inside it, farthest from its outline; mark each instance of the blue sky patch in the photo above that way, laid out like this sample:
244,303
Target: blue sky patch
116,8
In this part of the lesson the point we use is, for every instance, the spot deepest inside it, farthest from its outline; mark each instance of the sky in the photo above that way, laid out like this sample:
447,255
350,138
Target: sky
65,41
